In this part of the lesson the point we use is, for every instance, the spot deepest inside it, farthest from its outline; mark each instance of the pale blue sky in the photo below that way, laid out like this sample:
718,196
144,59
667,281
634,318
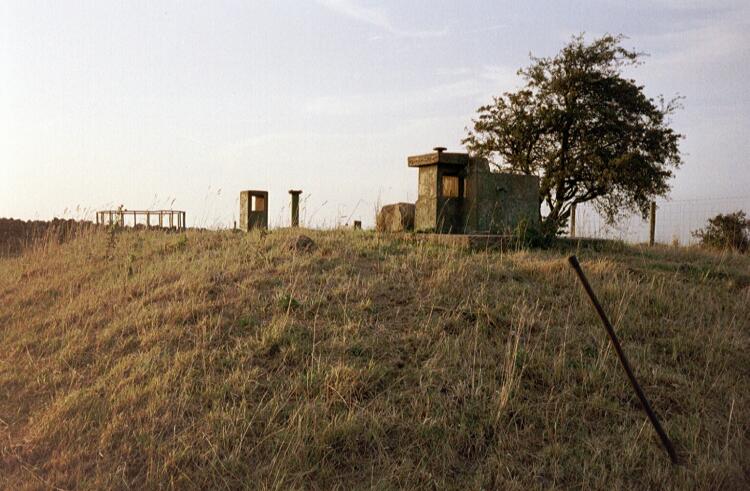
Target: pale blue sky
148,103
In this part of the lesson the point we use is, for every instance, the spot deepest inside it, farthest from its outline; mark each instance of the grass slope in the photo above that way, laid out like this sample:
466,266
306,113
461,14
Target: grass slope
220,360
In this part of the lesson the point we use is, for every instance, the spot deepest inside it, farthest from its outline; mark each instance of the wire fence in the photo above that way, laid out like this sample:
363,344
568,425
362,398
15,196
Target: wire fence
675,220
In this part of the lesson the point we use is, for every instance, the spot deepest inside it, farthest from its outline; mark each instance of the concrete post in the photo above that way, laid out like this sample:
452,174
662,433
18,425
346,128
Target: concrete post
295,206
573,220
652,224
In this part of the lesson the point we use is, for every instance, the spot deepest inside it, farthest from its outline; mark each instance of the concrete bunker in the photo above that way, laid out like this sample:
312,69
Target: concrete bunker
459,193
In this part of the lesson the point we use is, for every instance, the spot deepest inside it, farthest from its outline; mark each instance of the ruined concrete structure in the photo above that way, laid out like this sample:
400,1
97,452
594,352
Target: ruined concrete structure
398,217
163,218
459,194
253,210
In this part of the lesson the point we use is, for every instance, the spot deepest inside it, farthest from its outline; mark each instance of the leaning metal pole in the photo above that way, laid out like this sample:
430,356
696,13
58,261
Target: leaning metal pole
624,362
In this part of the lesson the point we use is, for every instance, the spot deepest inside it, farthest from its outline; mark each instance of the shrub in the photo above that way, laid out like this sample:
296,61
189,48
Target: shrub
532,235
730,231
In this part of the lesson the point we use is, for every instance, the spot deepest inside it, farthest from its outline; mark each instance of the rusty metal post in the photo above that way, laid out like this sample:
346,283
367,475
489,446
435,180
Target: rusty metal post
573,220
652,224
295,206
666,442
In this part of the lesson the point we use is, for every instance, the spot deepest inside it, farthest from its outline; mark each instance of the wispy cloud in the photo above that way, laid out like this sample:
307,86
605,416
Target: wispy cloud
492,27
395,102
377,17
722,37
472,88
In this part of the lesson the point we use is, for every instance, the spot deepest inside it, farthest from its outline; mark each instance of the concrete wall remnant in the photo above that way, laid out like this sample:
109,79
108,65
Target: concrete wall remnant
398,217
253,210
459,193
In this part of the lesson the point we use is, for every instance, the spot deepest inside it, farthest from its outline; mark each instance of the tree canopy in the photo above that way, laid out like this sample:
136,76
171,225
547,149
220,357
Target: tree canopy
588,132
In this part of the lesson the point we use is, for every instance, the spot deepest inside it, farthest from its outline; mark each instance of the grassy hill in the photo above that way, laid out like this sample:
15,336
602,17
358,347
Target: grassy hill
218,360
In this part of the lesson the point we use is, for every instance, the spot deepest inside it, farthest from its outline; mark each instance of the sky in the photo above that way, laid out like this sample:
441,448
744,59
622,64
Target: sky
180,104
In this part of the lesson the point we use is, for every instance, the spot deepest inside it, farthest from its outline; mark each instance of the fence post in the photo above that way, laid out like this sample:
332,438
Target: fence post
652,224
573,220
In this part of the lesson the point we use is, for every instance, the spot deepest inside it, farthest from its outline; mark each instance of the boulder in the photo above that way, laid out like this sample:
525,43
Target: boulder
398,217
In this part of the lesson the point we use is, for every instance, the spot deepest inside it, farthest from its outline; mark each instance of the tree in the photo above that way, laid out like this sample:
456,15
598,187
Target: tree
589,133
730,231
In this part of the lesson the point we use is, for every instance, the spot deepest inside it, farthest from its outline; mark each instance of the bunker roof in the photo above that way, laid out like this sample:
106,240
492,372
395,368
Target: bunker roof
439,156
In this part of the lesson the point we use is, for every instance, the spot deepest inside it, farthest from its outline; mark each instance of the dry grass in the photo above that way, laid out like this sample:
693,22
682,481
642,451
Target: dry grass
221,360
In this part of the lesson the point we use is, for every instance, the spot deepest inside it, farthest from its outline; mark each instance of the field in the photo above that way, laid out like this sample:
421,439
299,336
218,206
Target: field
212,360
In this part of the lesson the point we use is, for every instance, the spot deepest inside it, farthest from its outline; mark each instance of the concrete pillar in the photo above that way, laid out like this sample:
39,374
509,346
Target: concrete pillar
295,206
